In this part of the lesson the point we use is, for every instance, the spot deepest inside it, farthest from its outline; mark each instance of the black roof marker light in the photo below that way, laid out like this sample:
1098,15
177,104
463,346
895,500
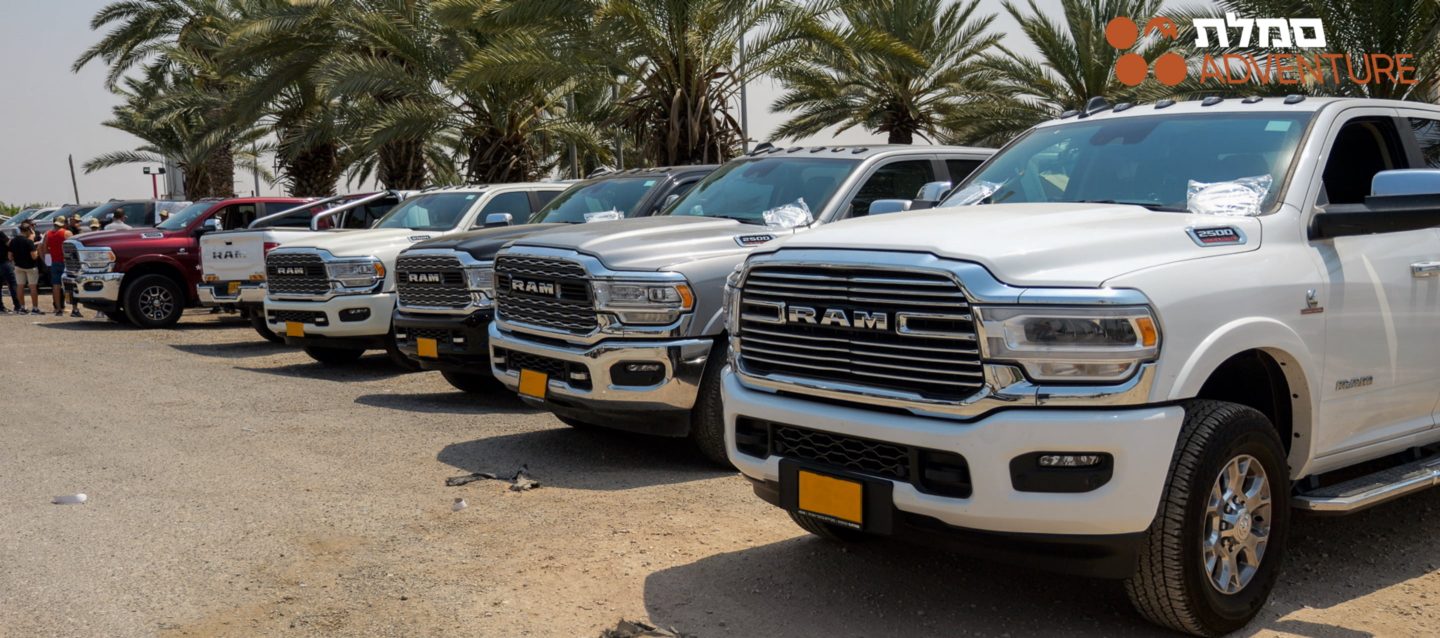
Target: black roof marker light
817,149
1212,100
1069,113
1251,100
859,150
793,149
1164,104
1096,104
1294,98
1123,106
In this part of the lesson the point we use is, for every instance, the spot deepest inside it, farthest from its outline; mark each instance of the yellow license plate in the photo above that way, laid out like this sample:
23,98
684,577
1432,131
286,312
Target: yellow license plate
294,329
233,288
428,347
533,384
837,500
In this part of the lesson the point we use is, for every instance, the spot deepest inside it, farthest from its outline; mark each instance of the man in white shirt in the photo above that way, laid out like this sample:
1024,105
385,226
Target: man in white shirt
118,222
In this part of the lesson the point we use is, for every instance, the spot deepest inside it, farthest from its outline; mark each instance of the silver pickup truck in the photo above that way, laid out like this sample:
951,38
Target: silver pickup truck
619,325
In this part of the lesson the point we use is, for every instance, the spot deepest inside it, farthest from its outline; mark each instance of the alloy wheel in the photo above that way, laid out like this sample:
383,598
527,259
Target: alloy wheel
1237,524
156,303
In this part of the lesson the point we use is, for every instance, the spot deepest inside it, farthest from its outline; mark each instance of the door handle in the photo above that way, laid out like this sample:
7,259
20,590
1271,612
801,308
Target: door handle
1425,269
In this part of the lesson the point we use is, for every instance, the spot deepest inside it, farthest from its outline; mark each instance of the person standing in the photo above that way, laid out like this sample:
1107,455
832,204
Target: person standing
7,275
74,227
94,225
54,244
118,221
26,257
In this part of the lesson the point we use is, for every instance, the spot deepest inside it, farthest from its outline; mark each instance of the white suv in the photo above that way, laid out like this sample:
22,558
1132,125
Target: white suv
1161,328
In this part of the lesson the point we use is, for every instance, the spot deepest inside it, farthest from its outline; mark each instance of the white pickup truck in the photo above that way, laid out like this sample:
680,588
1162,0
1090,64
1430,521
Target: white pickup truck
333,294
232,262
1162,329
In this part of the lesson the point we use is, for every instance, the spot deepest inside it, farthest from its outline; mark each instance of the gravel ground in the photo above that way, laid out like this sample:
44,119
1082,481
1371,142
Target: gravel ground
238,489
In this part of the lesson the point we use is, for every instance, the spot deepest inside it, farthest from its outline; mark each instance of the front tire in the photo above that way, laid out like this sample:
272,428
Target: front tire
118,316
471,382
335,356
262,327
392,349
1212,556
707,419
154,301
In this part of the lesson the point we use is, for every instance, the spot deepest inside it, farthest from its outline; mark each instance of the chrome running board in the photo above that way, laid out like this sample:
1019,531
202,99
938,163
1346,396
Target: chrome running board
1372,489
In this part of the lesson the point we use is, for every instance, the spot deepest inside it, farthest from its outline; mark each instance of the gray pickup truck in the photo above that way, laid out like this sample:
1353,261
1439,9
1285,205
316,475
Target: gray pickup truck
619,325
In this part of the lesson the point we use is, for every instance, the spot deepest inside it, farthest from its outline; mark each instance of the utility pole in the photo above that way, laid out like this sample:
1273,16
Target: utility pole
74,184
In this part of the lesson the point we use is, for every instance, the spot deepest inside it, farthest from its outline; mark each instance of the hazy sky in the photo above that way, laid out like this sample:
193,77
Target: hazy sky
48,112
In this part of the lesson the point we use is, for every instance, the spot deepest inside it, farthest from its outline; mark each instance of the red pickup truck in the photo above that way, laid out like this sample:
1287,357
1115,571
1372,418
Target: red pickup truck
147,276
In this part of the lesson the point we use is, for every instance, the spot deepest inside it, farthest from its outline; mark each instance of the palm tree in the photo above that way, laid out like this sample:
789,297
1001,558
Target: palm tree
1075,64
898,67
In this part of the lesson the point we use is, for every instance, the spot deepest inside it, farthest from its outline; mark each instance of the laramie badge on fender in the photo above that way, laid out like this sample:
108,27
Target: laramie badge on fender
1216,236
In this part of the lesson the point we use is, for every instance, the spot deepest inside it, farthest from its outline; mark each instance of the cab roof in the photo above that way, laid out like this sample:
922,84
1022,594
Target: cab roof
861,151
1216,104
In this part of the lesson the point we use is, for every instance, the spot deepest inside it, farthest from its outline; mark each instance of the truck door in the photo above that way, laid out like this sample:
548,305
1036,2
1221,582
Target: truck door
1425,125
1379,382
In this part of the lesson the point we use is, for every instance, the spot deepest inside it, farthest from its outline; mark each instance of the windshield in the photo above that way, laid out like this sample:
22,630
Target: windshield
747,189
178,221
1148,160
621,195
1142,160
22,216
99,211
438,211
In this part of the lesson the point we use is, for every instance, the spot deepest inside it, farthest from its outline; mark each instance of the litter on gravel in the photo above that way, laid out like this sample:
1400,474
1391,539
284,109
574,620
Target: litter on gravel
637,629
519,481
70,499
459,505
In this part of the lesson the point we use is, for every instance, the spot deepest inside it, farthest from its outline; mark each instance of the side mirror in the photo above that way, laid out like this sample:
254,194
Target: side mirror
669,199
933,191
499,219
1418,181
887,206
208,226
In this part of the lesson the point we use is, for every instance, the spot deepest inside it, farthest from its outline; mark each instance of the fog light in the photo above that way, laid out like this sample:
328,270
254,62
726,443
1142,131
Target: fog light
637,373
1069,460
459,341
577,375
401,335
354,314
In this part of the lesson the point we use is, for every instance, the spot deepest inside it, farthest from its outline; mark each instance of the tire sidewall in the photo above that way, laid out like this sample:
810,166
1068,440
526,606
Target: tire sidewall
257,321
134,291
1243,435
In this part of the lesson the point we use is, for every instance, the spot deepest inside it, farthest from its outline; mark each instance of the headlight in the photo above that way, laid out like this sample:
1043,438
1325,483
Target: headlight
644,303
356,273
1071,344
96,260
481,279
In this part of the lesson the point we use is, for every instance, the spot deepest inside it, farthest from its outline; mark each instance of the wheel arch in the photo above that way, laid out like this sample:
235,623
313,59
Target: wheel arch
163,267
1265,365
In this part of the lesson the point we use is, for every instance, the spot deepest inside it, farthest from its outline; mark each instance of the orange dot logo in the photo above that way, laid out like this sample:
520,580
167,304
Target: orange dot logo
1131,69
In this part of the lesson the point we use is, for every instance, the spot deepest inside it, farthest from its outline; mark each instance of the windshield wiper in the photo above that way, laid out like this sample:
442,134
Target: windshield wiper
738,218
1155,206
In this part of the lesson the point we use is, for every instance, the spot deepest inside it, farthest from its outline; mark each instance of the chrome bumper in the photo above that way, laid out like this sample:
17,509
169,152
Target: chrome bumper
95,286
683,361
250,293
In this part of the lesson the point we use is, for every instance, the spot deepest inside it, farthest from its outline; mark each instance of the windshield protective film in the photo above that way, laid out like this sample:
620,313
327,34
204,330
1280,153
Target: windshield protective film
747,189
1149,161
583,202
438,211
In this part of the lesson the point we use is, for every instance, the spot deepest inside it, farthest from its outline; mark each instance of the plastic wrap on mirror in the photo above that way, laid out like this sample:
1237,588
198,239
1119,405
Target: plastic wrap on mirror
1237,198
973,193
604,216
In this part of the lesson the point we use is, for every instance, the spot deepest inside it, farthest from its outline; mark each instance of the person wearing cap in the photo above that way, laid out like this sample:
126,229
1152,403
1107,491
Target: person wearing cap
74,226
54,251
94,225
25,255
118,221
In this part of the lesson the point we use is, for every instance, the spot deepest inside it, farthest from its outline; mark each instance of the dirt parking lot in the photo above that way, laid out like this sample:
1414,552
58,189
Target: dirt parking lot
236,488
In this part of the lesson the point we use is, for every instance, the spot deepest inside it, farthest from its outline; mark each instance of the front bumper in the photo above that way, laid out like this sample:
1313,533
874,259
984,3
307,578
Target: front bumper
662,407
350,321
462,342
1140,440
218,294
97,291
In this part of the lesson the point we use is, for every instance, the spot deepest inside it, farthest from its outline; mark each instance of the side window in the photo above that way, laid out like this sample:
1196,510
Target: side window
960,169
675,195
135,215
297,219
542,198
237,216
516,203
1427,134
1365,146
897,180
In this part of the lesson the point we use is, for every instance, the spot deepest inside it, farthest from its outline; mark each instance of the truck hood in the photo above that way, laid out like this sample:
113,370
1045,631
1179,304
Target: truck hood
1041,244
108,238
654,243
483,244
383,243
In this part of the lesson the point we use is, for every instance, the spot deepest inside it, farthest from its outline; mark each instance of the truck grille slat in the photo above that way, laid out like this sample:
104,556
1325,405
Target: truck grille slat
449,292
72,259
570,310
300,274
944,366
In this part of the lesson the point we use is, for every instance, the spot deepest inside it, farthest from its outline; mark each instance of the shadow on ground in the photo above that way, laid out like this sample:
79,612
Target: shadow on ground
584,459
809,587
237,350
188,323
457,402
368,368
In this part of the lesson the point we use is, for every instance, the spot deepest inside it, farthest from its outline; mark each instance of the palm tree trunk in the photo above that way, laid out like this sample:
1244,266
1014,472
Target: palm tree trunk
314,171
214,178
402,165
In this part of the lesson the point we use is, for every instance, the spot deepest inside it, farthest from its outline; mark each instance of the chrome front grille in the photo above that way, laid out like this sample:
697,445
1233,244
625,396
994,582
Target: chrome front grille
296,274
569,309
72,259
431,281
910,332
